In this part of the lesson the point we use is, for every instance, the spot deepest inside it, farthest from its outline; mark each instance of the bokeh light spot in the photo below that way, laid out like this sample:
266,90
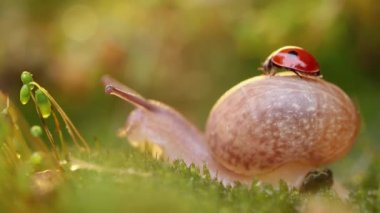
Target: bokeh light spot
79,22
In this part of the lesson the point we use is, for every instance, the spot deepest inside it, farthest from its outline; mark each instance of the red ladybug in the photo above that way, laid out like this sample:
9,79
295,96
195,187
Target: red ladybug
294,59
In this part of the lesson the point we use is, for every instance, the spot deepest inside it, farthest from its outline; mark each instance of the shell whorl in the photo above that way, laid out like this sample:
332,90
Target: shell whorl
266,122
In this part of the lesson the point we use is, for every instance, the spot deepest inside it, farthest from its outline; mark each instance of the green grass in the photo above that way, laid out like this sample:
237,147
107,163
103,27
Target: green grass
129,181
154,185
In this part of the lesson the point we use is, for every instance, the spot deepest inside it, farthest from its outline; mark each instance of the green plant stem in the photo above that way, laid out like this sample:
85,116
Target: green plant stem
69,125
48,133
61,138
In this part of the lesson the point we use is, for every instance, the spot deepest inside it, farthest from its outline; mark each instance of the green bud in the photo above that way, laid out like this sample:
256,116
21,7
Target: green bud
36,158
36,131
43,103
26,77
24,94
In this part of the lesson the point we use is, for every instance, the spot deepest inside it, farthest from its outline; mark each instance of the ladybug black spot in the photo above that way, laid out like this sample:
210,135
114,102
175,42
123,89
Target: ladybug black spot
292,52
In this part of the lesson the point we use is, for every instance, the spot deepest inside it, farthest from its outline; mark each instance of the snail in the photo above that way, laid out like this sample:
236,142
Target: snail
267,127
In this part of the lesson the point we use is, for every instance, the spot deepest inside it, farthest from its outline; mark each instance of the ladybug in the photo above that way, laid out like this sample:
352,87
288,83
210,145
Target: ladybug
294,59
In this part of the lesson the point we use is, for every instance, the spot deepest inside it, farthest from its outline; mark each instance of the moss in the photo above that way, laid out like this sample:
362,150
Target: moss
125,180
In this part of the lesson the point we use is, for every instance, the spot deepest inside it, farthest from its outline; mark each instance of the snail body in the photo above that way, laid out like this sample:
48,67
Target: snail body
267,127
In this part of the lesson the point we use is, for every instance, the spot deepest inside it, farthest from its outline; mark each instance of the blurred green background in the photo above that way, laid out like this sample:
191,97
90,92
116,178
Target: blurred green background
183,52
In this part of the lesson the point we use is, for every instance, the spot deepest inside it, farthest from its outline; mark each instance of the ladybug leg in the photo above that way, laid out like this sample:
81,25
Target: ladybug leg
272,72
271,69
297,73
267,68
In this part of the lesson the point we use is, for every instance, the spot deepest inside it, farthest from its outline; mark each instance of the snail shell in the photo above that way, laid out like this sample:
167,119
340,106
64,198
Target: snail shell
267,122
